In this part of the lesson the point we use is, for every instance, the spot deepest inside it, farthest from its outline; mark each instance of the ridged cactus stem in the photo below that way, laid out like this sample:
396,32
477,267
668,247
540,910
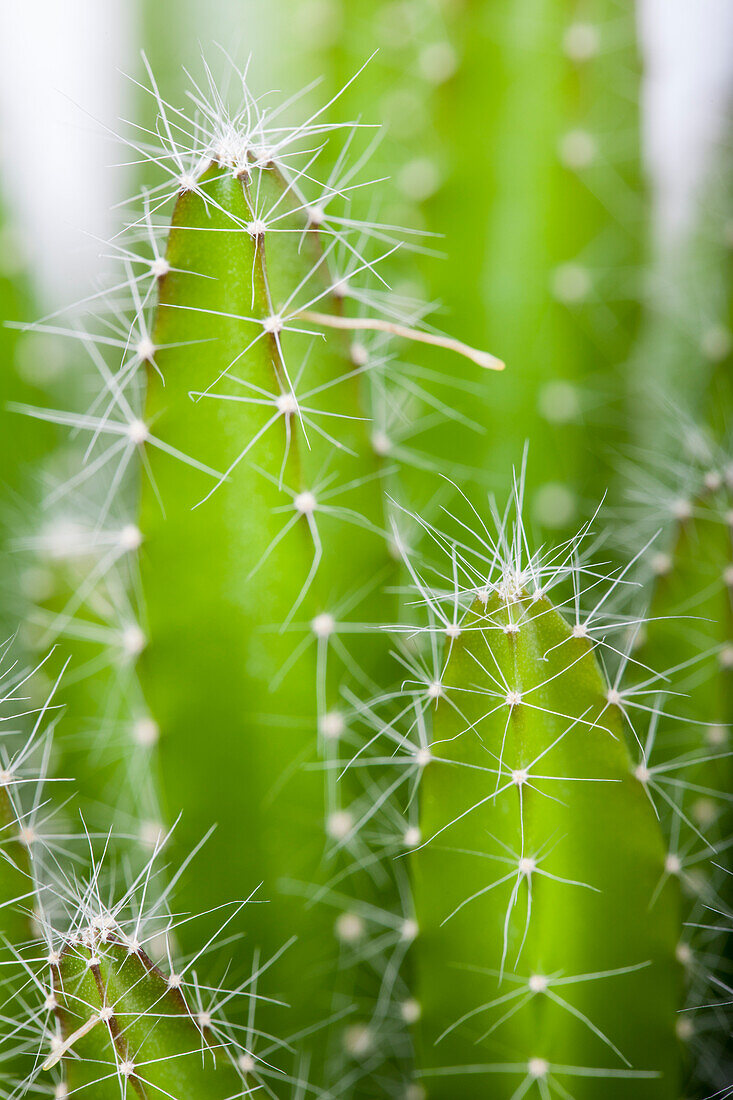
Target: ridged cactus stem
560,216
547,924
549,857
125,1026
249,591
679,481
215,632
256,579
90,1014
84,1010
24,755
529,112
686,766
16,902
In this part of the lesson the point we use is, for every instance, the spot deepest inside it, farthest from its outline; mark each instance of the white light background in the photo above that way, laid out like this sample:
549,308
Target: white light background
62,84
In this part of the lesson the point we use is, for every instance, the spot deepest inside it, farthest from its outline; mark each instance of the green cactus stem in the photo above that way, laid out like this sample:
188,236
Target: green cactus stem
263,544
248,580
125,1025
548,922
512,131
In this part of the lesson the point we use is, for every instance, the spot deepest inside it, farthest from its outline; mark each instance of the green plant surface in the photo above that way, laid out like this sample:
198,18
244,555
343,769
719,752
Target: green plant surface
239,719
22,446
15,879
512,133
690,628
90,1013
84,1010
495,882
684,760
552,182
24,816
228,619
590,862
85,604
17,446
15,897
123,1027
678,482
546,920
690,618
64,552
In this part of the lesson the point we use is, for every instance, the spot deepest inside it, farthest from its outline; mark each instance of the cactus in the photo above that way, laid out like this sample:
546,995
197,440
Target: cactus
454,83
686,767
108,996
678,484
81,999
683,356
545,955
256,458
563,134
16,894
124,1023
470,858
248,274
22,448
24,819
256,734
529,114
87,1005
